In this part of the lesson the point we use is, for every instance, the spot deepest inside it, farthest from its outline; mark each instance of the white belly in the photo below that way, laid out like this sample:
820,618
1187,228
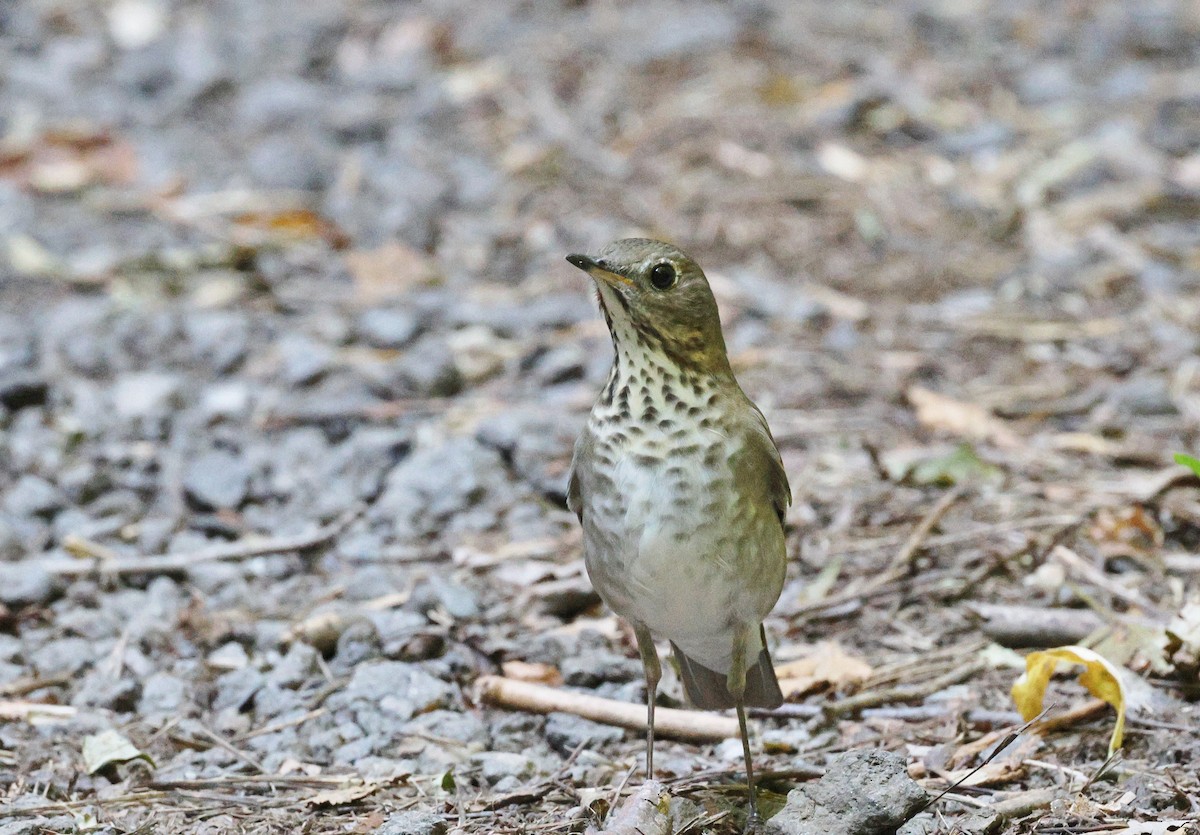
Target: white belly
677,549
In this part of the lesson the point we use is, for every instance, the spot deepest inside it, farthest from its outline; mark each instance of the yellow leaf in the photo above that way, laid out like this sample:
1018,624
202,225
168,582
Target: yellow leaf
1100,678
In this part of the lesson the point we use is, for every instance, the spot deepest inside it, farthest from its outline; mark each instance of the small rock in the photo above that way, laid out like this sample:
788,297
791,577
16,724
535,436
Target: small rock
144,394
357,643
236,688
226,400
593,667
29,826
163,693
496,765
865,792
1176,125
428,366
24,583
64,656
643,812
295,668
388,328
217,480
21,389
565,732
304,360
33,496
401,690
99,689
230,656
413,823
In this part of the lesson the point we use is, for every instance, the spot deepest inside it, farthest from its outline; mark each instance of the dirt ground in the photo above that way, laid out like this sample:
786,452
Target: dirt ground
291,366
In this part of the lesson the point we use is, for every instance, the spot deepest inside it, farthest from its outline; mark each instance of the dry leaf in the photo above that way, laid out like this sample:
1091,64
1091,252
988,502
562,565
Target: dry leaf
536,673
1100,678
826,667
1126,532
293,225
961,419
341,796
66,161
388,272
109,747
1182,640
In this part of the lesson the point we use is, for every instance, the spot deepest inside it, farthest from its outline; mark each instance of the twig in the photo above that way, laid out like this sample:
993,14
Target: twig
686,725
1008,740
1022,804
181,563
37,712
1013,625
25,686
1073,562
900,562
281,725
904,692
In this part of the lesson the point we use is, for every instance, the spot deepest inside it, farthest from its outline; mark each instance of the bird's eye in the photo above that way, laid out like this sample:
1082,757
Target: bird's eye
662,276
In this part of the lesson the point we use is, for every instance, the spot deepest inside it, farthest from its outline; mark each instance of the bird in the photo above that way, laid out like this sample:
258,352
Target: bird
680,488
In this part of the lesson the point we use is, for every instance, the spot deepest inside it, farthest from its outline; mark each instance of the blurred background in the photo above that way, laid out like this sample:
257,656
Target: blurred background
265,263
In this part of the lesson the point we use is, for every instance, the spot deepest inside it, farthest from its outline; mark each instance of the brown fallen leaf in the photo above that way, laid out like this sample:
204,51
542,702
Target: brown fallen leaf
67,160
959,418
388,272
537,673
345,795
291,225
1126,532
826,667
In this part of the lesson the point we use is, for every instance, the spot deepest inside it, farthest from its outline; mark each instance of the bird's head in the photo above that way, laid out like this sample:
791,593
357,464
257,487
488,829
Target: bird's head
655,298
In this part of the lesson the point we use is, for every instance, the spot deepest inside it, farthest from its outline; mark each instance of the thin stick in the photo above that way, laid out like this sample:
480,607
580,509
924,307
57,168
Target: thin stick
180,563
900,561
906,692
686,725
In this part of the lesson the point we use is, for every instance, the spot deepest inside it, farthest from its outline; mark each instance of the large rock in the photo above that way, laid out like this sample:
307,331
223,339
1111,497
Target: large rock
413,823
862,793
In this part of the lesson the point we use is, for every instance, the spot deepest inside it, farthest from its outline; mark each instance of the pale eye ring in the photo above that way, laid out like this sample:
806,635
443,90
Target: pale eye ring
662,276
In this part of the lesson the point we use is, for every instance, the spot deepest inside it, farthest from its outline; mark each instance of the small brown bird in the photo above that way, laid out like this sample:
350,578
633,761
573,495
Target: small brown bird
679,487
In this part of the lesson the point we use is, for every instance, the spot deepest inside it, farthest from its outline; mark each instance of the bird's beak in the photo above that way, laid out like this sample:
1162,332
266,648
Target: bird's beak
593,268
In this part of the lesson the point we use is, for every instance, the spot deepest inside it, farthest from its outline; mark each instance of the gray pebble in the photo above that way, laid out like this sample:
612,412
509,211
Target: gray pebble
99,689
304,360
428,366
236,688
388,327
163,694
217,480
496,765
33,496
411,823
357,643
402,690
298,666
142,395
565,732
23,583
21,389
65,656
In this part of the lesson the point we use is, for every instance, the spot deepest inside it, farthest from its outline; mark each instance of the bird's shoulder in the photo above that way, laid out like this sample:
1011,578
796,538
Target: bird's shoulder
759,462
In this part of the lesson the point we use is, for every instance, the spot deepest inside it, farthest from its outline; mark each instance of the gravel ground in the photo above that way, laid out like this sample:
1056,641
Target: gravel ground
295,271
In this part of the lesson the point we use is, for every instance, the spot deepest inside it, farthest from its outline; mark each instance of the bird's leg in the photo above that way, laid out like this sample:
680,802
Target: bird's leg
653,670
736,682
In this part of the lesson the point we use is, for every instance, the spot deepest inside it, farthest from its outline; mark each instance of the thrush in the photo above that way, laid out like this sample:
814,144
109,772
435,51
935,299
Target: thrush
679,487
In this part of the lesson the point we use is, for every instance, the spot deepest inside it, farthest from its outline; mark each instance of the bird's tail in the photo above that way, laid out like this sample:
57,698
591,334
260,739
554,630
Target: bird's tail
707,689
